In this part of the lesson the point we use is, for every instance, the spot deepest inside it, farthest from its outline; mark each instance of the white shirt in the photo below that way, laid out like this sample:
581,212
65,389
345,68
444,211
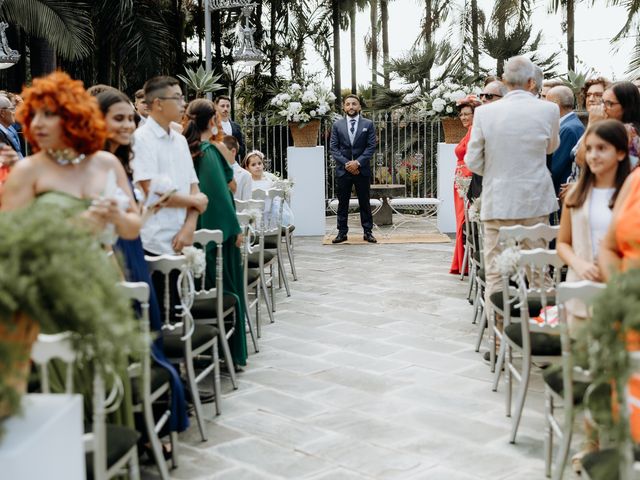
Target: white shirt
243,181
158,152
599,216
226,127
352,136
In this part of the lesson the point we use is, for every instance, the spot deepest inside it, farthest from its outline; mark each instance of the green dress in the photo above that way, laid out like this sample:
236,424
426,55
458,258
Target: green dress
72,206
214,174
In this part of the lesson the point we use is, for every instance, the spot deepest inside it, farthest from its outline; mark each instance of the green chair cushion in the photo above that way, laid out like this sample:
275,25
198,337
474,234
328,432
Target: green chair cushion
159,376
604,464
253,275
541,343
553,378
271,242
119,441
206,308
174,347
535,304
254,258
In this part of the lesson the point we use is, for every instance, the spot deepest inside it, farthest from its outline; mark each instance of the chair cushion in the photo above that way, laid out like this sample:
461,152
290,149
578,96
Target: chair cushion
291,228
604,464
159,376
553,378
270,242
174,347
119,442
253,275
541,343
206,308
535,304
254,258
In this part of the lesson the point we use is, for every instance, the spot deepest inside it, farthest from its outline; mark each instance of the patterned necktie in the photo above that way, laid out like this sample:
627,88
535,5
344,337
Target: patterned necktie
353,127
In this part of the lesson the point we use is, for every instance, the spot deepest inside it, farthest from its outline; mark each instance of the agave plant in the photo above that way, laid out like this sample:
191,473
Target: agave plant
200,81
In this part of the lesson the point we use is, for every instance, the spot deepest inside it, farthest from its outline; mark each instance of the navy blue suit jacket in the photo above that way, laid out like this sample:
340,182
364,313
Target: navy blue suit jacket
362,150
571,129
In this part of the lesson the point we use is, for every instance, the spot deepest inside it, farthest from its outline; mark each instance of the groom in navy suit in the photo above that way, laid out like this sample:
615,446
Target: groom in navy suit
353,143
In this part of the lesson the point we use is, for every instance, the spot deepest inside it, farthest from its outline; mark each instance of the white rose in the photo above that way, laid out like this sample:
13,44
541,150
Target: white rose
458,95
309,97
295,107
295,87
449,110
438,105
312,113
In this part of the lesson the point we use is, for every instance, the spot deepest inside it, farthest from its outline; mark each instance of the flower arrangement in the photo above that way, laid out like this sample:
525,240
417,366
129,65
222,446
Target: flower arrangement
196,260
303,103
507,261
441,101
462,184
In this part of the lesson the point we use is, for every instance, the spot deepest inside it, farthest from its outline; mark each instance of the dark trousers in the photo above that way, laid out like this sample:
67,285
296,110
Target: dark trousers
344,184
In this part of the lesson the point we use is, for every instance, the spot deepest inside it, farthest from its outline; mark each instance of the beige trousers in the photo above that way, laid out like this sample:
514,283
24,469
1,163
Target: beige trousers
492,249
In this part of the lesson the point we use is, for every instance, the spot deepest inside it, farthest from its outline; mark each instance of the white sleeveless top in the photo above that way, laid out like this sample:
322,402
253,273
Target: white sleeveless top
599,216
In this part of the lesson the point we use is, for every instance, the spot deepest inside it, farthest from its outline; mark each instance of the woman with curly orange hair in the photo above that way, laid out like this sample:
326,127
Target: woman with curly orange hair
66,128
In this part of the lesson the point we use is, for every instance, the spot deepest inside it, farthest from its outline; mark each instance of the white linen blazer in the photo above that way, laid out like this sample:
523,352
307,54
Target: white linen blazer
509,142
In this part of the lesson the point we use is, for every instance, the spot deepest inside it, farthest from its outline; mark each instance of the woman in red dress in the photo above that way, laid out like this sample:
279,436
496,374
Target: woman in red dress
466,106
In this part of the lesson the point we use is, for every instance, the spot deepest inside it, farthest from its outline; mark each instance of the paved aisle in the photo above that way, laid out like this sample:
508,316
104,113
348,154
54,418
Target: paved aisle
368,372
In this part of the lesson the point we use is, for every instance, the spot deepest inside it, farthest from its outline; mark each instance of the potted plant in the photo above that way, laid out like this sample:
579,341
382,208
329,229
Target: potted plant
303,105
440,103
55,277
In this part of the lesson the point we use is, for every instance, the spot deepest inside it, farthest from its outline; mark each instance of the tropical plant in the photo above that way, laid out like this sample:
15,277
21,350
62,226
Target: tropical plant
200,81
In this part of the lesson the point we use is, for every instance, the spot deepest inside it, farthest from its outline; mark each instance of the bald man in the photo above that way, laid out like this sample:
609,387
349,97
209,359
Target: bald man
8,134
571,129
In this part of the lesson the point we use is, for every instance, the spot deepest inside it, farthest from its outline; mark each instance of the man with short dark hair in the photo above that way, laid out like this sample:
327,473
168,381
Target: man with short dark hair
353,143
142,109
223,107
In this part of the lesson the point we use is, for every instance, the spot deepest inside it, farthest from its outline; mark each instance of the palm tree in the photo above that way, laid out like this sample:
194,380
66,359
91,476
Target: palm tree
568,7
374,46
435,15
337,80
384,18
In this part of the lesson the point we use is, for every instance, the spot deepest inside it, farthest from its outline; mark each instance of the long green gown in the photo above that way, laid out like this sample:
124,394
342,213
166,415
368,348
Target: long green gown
72,206
214,174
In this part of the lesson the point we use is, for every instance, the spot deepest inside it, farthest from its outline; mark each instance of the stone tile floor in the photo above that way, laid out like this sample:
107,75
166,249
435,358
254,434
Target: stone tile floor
368,373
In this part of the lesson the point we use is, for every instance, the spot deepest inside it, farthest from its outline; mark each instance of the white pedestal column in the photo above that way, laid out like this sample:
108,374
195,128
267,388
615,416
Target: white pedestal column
446,173
46,441
306,170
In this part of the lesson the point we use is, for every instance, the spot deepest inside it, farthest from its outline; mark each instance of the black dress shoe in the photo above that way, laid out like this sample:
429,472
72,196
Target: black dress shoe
369,238
341,237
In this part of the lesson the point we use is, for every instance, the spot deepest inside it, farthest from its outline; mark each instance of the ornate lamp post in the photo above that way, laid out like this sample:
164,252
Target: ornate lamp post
8,56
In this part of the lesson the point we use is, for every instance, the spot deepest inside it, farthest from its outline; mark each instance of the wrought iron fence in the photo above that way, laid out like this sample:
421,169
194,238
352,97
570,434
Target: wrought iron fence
406,154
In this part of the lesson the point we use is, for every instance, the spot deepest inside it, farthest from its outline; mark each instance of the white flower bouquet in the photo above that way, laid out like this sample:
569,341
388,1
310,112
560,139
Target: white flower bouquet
303,103
441,101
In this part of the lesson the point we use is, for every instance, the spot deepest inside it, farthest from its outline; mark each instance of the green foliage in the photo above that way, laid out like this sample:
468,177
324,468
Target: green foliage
200,81
55,272
603,345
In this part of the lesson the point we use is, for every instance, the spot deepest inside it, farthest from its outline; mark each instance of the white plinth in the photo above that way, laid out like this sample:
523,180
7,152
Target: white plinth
306,170
446,174
46,441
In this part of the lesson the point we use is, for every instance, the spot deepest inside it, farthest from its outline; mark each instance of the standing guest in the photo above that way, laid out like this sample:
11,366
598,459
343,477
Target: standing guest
571,130
509,143
95,90
492,92
621,102
223,107
119,118
142,109
538,80
466,107
353,143
548,85
214,173
8,134
593,90
241,176
160,153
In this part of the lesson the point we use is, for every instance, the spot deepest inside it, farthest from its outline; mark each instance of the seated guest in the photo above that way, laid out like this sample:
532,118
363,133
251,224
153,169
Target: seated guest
8,134
571,130
254,164
240,175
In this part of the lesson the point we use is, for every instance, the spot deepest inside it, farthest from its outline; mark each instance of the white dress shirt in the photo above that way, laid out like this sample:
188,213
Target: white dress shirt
158,152
352,136
244,182
226,127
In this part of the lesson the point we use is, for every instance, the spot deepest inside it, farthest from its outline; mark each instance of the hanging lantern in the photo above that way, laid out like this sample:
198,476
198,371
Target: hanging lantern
246,54
8,57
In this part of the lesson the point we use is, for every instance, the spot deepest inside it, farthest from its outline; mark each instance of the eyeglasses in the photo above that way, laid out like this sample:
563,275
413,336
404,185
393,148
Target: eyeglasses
489,96
177,98
609,104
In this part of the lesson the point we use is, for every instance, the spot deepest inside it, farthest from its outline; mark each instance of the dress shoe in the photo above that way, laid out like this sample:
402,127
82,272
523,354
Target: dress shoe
369,238
341,237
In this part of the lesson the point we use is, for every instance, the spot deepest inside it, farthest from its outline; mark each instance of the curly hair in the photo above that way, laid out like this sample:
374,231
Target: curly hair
83,125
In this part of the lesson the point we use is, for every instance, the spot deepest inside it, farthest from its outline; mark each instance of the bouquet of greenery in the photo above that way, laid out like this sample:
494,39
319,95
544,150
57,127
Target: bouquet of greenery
441,101
55,274
303,102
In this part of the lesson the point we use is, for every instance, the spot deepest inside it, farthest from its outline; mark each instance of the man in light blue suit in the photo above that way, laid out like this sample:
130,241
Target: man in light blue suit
353,143
571,130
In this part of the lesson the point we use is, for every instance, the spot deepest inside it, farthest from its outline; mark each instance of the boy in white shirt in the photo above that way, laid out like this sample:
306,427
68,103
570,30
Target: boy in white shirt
240,175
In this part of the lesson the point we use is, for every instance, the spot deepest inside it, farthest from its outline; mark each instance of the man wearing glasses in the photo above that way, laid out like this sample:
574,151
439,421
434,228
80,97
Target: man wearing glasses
8,134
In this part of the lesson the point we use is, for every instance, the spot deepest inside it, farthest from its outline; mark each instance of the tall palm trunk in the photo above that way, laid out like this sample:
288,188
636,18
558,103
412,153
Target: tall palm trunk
273,47
384,14
337,80
43,57
374,46
502,35
352,32
571,61
475,43
428,34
